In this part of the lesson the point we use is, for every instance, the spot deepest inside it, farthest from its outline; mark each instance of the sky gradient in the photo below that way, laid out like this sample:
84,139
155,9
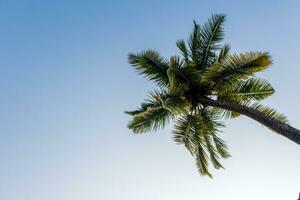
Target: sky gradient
65,82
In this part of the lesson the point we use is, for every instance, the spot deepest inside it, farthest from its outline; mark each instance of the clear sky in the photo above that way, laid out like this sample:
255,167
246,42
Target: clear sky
65,82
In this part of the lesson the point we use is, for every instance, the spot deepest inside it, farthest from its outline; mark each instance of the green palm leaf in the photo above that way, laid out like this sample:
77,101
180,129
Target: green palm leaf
269,112
254,89
209,126
151,120
224,53
211,34
221,146
214,157
157,111
184,132
227,114
174,74
194,43
184,50
197,131
151,65
202,161
236,67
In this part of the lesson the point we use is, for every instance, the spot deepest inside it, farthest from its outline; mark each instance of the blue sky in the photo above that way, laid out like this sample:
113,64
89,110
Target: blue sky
65,82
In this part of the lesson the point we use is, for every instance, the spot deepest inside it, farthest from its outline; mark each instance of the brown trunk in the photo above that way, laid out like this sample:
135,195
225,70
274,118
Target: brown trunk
277,126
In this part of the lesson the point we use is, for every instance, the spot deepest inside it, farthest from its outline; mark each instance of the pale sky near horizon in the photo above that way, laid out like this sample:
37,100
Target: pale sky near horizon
65,82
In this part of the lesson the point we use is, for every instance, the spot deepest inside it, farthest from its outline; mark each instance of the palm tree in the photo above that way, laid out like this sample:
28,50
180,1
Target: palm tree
202,86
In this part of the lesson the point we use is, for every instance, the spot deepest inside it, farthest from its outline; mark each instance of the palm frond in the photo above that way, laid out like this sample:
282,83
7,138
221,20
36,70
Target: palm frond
150,64
221,146
224,53
269,112
151,120
211,34
194,42
149,104
173,72
179,74
202,161
184,132
209,126
236,67
197,131
151,116
184,50
157,111
227,114
213,154
174,102
253,89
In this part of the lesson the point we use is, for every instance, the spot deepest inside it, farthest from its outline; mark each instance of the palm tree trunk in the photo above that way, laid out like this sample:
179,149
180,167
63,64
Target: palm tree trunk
277,126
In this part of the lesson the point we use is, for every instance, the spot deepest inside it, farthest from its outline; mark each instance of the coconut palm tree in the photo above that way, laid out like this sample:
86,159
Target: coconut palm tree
202,86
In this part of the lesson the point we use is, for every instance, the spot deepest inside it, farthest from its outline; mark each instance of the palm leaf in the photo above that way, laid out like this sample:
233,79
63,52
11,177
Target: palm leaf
174,102
183,133
152,115
227,114
174,74
151,120
236,67
221,146
187,132
269,112
151,65
202,162
224,53
253,89
209,126
211,149
184,50
157,110
194,43
197,131
211,34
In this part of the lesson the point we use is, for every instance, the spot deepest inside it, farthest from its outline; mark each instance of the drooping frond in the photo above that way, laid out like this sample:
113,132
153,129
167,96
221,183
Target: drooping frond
236,67
197,131
184,132
202,162
221,146
269,112
211,149
211,34
150,64
209,127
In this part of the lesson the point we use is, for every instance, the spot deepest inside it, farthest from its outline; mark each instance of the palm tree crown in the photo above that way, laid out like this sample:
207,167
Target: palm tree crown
204,72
